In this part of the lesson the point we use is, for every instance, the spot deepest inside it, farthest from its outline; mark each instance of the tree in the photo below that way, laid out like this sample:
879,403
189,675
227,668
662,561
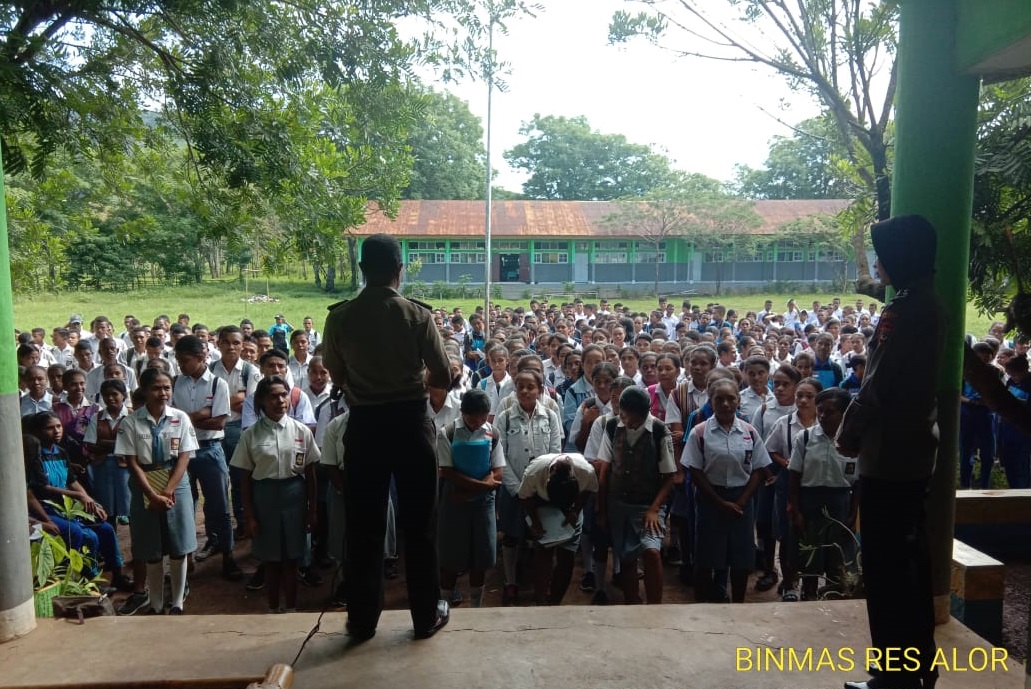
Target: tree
801,166
447,145
662,214
722,226
568,160
1000,240
74,73
840,52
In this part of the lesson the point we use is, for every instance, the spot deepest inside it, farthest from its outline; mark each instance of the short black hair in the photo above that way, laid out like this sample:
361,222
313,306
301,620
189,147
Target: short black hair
475,401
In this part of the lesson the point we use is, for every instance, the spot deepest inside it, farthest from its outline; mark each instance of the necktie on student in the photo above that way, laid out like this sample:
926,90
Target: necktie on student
157,447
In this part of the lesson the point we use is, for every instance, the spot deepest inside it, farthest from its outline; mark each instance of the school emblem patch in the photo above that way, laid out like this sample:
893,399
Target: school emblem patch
885,326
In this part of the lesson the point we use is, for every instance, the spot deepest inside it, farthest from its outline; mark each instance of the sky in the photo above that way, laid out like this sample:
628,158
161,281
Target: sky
705,115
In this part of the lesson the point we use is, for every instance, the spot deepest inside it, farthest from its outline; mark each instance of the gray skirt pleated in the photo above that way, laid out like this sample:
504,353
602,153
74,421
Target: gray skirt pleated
721,540
467,532
626,524
156,534
281,508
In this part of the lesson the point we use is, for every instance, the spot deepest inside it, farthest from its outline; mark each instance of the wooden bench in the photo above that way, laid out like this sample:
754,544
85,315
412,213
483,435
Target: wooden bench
993,507
978,583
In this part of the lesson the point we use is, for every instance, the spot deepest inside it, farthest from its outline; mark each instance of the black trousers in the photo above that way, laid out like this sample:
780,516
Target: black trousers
897,575
381,441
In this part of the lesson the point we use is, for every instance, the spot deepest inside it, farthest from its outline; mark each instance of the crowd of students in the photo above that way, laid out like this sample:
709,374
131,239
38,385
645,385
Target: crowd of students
701,440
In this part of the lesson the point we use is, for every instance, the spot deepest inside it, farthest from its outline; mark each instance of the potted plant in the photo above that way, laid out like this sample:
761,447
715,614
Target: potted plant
57,569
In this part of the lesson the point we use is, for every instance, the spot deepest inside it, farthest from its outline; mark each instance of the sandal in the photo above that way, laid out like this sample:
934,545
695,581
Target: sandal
766,582
790,596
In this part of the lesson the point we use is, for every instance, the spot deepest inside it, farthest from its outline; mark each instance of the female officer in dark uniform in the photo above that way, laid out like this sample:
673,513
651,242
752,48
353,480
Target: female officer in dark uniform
892,427
378,346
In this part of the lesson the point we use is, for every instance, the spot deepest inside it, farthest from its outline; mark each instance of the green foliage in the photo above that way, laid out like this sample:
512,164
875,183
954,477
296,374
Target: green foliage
566,159
1000,241
800,166
53,561
840,54
446,142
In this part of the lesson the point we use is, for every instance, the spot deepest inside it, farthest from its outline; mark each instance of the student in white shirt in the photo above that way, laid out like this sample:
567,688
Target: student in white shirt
727,461
471,462
242,378
636,477
38,398
157,442
560,483
278,456
824,498
205,398
526,431
273,363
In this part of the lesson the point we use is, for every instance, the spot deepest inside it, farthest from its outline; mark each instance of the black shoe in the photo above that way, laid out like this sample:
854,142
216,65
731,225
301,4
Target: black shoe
231,571
339,599
309,577
588,582
767,581
257,580
357,635
600,598
175,611
135,603
209,549
443,617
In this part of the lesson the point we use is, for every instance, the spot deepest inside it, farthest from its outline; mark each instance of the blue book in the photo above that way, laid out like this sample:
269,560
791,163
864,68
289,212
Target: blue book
472,458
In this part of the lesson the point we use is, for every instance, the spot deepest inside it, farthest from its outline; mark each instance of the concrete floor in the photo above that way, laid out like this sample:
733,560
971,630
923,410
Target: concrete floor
613,647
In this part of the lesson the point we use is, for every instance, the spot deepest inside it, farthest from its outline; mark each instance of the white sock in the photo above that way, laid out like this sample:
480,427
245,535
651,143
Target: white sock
587,553
617,567
476,596
510,558
156,584
178,570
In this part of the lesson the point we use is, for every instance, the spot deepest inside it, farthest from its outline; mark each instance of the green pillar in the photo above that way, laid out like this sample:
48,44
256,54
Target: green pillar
936,134
17,613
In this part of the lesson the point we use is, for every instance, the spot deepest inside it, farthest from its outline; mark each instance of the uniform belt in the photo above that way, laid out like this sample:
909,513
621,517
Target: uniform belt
156,467
209,443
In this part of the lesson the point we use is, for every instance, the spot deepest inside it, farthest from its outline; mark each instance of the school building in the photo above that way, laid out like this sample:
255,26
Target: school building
561,242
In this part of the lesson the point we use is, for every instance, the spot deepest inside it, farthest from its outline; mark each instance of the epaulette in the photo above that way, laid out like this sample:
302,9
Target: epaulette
339,303
420,303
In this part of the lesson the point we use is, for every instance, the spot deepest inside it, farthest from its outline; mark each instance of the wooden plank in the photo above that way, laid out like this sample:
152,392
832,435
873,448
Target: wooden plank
993,506
976,576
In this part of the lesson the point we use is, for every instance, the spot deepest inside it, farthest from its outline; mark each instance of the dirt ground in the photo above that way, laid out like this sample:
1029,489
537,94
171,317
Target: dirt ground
211,595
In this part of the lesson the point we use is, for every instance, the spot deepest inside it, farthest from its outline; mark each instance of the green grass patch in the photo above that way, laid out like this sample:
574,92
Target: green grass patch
216,303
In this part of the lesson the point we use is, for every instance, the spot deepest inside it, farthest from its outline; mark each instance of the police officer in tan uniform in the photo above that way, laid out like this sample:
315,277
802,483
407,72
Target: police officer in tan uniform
378,346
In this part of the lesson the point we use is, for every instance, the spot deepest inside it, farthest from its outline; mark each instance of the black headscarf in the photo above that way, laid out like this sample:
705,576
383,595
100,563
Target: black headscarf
906,246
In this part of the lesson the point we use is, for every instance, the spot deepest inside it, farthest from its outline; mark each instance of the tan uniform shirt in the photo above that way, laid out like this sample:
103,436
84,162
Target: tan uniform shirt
276,449
379,344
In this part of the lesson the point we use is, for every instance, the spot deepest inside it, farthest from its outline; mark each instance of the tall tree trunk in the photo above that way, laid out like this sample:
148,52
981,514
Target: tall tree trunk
352,258
316,268
331,277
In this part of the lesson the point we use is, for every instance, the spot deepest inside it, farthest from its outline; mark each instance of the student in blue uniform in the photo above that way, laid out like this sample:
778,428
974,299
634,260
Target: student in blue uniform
727,461
1014,446
51,478
278,455
157,442
471,461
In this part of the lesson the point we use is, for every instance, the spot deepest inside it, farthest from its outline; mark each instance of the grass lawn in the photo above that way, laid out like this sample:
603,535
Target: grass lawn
217,303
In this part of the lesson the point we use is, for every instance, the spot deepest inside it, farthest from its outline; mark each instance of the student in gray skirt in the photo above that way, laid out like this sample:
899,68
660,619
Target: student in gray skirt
727,460
278,456
471,462
157,442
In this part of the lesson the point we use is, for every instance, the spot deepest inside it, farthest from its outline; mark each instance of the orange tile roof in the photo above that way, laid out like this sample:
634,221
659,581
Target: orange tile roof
516,219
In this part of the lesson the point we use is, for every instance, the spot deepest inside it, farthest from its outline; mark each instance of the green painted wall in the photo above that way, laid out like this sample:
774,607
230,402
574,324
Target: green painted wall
984,27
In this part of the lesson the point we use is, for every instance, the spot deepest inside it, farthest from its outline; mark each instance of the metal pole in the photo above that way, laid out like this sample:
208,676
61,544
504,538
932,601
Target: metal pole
17,612
487,258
